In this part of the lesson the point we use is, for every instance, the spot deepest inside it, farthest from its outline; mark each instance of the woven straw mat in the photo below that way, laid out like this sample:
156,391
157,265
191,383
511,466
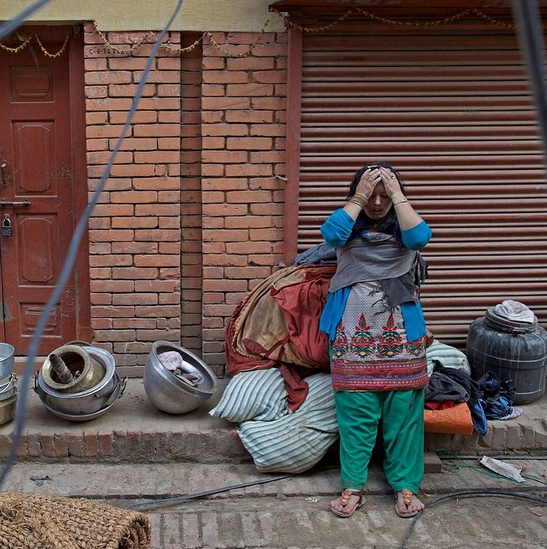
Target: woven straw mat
38,521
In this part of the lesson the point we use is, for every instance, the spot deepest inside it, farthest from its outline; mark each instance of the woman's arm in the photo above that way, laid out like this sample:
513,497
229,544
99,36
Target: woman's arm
406,215
417,237
337,228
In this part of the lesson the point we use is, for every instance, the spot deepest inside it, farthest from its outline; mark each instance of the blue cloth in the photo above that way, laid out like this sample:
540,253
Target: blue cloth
336,230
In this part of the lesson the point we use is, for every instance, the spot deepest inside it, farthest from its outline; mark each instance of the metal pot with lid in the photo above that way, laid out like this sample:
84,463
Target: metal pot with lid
79,399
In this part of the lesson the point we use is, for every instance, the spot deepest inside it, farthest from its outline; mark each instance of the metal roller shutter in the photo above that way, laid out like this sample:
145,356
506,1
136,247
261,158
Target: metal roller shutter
450,108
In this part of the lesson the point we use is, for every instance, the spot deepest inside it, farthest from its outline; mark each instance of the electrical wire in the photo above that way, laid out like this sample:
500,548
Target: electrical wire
169,502
467,494
528,22
10,26
70,259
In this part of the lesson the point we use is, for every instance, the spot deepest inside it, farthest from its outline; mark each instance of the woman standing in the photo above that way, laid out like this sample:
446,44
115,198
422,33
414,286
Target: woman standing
377,333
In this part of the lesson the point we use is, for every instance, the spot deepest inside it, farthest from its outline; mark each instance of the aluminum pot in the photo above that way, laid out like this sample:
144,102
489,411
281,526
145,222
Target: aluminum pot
7,359
82,402
166,391
116,393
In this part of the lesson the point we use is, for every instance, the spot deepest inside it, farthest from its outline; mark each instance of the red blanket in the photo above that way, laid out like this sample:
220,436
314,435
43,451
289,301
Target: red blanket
277,325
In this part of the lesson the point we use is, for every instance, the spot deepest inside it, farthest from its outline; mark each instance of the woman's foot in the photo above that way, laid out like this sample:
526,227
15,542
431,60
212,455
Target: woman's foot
349,501
407,504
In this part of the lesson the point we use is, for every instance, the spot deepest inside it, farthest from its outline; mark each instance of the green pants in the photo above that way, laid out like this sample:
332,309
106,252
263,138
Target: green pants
402,425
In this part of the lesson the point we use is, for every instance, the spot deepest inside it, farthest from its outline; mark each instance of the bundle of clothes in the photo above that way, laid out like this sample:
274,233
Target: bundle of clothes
280,396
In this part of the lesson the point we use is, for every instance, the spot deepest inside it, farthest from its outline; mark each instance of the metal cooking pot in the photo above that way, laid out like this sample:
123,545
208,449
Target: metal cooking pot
7,359
86,370
116,393
89,401
169,393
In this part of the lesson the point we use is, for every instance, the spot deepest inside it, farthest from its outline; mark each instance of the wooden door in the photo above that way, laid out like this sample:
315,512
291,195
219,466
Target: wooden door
36,196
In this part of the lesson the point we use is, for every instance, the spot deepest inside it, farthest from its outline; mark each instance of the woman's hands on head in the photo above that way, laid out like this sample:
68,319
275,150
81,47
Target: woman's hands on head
391,183
370,178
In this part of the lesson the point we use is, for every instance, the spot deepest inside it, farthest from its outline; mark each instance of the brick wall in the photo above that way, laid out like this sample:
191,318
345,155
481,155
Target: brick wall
191,203
243,102
192,215
135,230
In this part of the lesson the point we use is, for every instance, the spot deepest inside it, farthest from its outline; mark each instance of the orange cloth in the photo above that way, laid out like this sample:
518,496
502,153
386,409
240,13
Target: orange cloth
456,420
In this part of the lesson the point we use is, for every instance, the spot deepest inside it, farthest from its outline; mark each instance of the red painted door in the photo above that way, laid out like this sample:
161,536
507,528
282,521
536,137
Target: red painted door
36,196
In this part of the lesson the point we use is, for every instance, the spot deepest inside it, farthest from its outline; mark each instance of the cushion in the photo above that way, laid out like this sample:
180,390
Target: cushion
258,394
440,354
295,442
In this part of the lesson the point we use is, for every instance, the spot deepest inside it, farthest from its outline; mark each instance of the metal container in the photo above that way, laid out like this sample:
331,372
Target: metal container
87,372
7,359
90,401
515,351
7,409
118,391
166,391
8,390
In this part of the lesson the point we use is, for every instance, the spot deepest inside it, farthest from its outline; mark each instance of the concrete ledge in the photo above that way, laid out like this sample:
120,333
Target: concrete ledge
134,431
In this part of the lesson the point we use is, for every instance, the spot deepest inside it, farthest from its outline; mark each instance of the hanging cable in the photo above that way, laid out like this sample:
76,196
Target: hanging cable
10,26
70,259
528,20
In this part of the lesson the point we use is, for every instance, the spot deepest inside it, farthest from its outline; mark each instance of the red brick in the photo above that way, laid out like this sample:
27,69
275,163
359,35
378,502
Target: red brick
156,130
90,444
108,77
250,63
61,445
268,103
249,90
104,444
225,130
135,299
249,116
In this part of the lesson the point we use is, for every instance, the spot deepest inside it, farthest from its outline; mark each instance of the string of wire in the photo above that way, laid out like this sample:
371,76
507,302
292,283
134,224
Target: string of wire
354,10
70,259
26,43
149,36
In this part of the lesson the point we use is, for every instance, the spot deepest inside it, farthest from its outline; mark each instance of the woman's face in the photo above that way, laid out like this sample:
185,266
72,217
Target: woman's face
379,203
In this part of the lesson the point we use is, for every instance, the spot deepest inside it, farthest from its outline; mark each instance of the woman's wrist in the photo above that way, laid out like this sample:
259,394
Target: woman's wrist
359,199
397,201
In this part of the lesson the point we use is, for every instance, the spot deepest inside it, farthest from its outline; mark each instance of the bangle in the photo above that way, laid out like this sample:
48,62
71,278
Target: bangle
400,201
359,200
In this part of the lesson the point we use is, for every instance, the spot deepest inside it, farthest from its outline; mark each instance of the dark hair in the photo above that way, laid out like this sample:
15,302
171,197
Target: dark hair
388,224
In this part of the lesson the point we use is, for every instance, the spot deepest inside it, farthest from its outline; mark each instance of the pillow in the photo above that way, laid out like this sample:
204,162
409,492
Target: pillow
440,354
295,442
257,395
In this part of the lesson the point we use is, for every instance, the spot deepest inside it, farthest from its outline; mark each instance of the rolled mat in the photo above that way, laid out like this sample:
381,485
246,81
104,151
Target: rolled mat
39,521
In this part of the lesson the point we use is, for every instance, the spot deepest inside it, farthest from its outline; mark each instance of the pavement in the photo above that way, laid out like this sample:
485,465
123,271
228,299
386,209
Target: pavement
135,431
199,488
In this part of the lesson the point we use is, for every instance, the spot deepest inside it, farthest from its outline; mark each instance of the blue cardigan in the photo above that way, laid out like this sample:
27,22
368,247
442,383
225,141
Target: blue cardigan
336,230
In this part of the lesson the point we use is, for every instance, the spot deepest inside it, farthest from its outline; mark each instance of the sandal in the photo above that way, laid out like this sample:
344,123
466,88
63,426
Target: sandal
407,501
344,500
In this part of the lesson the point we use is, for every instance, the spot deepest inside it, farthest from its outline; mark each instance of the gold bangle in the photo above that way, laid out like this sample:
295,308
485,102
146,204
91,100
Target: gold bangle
400,201
358,201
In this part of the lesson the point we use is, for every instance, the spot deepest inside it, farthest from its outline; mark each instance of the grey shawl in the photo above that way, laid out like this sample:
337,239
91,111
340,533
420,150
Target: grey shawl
377,257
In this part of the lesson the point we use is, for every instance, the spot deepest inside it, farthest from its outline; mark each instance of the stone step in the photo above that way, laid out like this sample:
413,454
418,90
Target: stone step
134,431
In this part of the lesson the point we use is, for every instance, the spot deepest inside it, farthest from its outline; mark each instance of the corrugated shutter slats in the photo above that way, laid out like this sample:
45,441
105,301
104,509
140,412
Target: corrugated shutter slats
451,109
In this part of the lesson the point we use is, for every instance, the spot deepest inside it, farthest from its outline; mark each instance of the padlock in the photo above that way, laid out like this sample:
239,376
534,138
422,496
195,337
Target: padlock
7,229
